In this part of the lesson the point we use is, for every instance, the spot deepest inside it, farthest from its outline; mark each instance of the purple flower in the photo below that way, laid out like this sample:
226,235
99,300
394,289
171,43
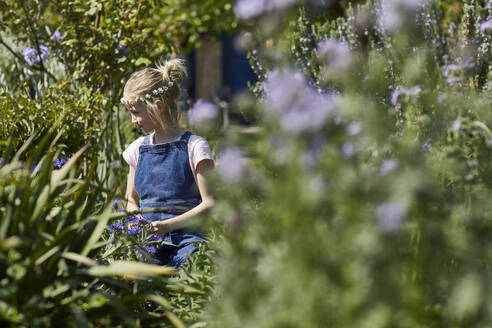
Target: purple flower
116,202
202,113
399,92
231,164
453,73
121,209
135,231
150,249
59,162
425,146
123,49
137,220
118,226
154,238
390,216
348,149
395,14
37,168
456,125
335,54
354,128
486,27
57,36
1,160
30,56
299,107
247,9
388,166
45,53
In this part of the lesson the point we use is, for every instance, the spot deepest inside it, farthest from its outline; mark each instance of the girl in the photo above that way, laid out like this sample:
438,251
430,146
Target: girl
167,167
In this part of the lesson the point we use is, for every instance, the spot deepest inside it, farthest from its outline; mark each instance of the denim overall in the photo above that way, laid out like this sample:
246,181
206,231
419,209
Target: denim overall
163,177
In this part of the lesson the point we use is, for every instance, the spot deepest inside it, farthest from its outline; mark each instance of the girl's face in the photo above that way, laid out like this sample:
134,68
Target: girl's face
141,118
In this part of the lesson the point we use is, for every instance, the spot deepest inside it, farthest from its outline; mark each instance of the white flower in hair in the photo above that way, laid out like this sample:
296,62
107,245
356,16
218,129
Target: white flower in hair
154,93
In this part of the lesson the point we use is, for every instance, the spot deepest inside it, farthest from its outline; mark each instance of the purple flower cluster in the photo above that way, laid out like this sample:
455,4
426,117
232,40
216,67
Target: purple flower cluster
390,216
154,238
395,14
59,162
247,9
150,249
117,226
486,27
132,225
387,166
202,113
399,92
334,54
135,231
116,205
453,73
231,164
31,55
57,36
299,107
124,50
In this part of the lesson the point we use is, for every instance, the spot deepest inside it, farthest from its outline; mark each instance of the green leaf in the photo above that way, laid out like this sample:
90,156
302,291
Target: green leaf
142,61
11,242
131,270
79,258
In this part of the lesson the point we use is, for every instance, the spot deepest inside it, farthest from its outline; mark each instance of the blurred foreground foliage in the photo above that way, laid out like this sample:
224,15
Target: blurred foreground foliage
62,69
364,199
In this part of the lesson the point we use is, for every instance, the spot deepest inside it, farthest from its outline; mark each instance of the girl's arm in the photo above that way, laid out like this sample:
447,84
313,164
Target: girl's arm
131,194
162,227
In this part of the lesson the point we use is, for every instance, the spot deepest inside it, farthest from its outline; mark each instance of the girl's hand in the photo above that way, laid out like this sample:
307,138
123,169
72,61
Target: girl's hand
161,227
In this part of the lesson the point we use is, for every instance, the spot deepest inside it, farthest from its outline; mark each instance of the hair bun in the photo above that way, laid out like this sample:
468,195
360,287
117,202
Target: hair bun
173,70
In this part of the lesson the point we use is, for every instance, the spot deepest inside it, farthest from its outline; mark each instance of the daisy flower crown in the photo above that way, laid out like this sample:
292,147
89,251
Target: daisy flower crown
156,93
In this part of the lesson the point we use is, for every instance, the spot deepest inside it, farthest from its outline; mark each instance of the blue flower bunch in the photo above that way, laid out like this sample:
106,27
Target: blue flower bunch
59,162
31,55
135,229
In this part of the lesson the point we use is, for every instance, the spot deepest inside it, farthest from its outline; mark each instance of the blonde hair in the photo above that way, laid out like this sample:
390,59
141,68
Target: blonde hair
142,86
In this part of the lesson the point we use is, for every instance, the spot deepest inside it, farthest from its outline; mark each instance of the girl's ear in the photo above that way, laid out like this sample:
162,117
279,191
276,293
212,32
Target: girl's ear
161,106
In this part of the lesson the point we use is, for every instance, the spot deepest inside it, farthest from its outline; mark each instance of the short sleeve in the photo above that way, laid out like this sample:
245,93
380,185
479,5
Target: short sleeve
130,154
199,150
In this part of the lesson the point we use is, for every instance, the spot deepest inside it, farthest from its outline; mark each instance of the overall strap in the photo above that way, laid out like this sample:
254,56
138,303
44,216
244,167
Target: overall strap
146,140
186,136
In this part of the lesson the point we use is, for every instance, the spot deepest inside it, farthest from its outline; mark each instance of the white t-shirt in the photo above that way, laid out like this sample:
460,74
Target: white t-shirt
198,150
